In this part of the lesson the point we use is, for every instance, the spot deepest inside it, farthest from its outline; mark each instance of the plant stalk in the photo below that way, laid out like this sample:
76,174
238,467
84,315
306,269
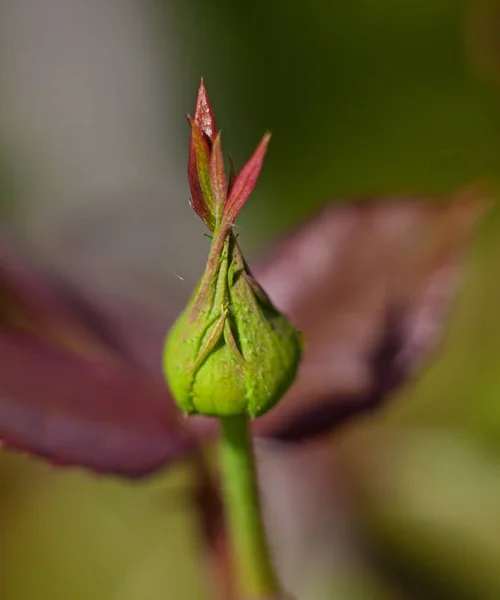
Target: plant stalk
255,575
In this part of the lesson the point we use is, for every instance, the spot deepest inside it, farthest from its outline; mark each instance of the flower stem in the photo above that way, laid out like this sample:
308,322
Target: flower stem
255,575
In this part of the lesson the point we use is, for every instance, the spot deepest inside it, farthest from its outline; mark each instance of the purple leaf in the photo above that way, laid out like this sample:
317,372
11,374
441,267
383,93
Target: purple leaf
32,298
78,411
370,285
70,389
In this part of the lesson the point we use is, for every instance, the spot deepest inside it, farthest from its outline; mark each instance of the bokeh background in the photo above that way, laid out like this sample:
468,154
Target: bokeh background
362,98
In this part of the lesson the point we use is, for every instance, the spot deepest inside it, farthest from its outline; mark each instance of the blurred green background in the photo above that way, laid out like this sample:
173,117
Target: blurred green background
362,98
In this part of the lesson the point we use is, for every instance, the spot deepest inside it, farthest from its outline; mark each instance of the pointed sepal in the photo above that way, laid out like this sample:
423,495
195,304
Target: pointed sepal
218,176
245,181
203,133
199,176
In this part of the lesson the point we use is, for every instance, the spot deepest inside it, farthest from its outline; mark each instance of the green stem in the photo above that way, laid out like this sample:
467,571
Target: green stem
255,575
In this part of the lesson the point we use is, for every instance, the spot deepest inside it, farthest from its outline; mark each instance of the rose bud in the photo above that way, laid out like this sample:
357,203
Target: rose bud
230,352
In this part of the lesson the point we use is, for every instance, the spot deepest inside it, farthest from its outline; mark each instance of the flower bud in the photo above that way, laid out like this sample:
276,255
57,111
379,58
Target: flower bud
230,352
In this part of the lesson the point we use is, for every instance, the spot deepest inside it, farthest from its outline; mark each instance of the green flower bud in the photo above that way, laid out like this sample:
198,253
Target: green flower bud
230,352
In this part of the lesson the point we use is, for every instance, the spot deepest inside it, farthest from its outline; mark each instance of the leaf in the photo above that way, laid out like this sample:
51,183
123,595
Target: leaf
76,411
34,299
370,285
23,289
69,391
245,181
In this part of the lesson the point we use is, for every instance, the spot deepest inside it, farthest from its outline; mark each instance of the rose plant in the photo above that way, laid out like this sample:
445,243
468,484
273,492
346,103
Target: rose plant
368,283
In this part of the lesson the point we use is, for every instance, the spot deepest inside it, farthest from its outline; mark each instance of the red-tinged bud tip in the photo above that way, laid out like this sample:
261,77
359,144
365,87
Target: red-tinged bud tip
213,199
204,116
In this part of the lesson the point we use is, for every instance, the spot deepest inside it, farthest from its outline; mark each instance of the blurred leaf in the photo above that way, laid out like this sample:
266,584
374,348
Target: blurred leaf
68,392
370,285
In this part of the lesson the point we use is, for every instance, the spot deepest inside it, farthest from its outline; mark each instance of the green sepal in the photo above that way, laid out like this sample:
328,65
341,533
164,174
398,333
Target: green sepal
230,352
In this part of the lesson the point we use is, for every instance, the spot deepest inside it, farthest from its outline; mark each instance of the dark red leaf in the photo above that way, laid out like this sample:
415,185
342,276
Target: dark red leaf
34,299
370,285
77,411
73,388
25,290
